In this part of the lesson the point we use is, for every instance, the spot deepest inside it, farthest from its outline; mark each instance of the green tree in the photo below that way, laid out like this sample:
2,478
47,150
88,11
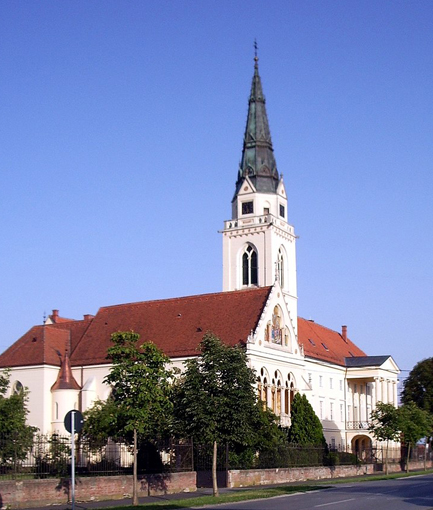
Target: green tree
16,437
414,424
141,405
306,428
418,387
216,401
100,422
384,425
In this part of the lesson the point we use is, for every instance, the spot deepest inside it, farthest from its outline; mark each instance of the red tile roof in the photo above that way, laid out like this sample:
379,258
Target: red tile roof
175,325
44,344
325,344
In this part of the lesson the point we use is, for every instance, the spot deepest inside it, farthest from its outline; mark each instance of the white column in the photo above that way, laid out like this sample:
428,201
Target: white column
375,396
383,390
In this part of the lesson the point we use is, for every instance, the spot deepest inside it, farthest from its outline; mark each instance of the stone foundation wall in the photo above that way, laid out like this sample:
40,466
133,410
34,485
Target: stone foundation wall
32,493
251,477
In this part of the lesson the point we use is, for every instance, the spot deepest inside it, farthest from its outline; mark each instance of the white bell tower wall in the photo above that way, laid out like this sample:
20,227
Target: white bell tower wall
260,225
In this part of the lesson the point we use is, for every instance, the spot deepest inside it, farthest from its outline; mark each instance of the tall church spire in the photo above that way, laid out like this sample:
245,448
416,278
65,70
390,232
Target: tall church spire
258,160
258,241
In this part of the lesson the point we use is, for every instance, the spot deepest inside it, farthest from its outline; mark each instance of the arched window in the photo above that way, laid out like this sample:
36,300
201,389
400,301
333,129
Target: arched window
262,383
289,393
249,266
280,268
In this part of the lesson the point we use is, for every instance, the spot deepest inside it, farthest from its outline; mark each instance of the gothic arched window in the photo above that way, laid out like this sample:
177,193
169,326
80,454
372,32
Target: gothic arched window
280,267
249,266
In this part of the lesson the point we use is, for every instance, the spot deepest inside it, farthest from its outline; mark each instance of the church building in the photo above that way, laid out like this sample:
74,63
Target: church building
63,361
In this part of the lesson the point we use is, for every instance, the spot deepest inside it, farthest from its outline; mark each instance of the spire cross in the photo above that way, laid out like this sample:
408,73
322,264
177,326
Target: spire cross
256,58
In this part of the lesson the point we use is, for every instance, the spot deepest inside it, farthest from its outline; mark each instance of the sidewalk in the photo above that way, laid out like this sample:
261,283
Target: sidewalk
202,491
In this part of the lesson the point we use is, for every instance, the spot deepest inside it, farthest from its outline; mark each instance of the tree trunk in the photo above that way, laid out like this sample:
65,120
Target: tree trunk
134,475
386,458
214,469
407,458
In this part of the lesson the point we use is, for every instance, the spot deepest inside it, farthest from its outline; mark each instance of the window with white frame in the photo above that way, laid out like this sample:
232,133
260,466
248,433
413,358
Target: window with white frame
249,266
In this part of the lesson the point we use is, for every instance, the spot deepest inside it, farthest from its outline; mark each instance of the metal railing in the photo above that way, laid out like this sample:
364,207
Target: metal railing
357,425
49,456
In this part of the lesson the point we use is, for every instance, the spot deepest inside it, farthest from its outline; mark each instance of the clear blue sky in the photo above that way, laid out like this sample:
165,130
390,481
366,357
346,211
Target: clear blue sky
121,127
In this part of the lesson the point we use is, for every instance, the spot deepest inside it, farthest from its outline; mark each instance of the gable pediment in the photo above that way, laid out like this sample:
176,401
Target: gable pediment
275,332
246,187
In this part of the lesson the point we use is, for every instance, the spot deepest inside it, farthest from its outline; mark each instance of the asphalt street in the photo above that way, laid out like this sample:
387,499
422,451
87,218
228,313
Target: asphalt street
397,494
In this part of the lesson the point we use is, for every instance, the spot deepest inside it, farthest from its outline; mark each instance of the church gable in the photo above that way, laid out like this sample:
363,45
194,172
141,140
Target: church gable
276,329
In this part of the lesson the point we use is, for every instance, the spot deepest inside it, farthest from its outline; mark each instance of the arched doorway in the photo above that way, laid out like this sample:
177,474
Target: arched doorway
362,446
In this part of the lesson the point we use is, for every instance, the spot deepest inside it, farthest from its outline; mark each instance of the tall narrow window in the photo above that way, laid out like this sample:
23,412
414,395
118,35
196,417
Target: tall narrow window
282,211
249,267
280,268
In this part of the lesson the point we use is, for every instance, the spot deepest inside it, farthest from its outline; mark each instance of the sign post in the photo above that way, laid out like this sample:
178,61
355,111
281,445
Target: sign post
73,423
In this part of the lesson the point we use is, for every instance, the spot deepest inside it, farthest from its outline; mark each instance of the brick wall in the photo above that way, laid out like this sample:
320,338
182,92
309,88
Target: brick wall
31,493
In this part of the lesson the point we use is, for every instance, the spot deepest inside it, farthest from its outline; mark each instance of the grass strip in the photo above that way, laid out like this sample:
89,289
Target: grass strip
227,497
375,478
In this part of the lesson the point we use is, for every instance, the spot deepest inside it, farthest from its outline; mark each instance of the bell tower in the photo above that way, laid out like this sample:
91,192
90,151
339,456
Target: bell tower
258,242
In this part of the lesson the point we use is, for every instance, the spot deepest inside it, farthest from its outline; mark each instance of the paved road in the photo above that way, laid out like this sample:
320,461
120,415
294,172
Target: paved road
399,494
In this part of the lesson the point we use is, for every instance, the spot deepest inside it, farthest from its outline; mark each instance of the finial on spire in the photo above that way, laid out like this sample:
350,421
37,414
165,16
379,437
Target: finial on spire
256,58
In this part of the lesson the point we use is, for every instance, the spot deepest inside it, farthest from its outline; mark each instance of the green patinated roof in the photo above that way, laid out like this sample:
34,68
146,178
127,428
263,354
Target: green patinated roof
258,160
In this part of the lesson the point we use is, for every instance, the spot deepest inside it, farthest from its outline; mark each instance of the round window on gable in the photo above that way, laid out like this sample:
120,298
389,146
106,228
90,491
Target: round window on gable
17,388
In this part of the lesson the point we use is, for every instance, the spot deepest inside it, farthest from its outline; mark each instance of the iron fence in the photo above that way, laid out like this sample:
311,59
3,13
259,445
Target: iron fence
50,456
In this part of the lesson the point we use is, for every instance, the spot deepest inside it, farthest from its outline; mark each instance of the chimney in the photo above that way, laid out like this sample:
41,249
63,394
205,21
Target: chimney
344,333
55,316
88,317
